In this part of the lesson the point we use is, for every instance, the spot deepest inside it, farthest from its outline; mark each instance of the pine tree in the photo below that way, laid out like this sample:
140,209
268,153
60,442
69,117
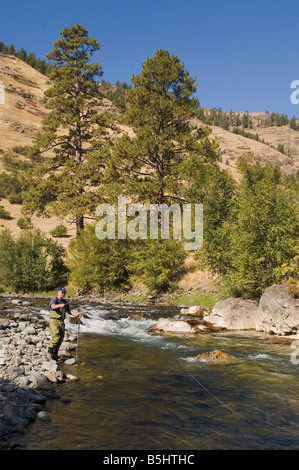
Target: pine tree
160,107
68,150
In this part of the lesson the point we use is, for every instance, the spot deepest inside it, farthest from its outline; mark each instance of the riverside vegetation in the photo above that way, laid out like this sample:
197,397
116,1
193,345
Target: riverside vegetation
82,157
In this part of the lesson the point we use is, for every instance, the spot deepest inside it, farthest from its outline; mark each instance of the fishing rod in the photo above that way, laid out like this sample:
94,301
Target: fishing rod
78,333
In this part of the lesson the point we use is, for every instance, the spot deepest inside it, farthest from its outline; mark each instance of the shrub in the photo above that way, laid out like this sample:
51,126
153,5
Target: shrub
98,263
59,231
31,262
24,224
4,214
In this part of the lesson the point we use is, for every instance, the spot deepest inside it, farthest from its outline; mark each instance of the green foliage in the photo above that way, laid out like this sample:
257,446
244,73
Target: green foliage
95,263
31,262
73,130
4,214
256,236
117,93
215,189
31,59
267,226
59,231
158,263
109,264
24,223
10,186
159,108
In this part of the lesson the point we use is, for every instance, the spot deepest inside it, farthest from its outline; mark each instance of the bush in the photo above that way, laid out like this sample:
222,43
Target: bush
31,262
98,263
59,231
109,264
24,224
4,214
158,262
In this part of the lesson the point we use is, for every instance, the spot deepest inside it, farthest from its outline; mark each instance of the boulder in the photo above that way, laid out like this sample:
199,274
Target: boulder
234,314
194,310
40,382
278,311
172,326
214,356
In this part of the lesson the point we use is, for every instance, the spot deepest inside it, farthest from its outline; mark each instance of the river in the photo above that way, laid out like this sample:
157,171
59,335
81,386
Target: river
137,390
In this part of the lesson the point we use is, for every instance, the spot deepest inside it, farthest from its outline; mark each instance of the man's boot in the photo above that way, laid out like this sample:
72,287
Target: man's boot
53,353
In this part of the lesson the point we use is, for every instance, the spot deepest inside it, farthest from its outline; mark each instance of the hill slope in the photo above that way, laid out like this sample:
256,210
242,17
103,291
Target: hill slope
21,116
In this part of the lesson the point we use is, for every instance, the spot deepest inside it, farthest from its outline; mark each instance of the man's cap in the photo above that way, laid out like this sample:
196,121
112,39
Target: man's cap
62,289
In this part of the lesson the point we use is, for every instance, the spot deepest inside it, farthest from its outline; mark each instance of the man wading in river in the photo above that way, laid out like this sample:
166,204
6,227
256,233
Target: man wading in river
58,307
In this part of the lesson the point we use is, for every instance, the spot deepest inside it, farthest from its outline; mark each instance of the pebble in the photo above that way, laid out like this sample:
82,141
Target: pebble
25,373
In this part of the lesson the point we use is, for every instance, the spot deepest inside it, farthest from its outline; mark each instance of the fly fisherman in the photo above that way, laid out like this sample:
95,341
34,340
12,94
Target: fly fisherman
58,307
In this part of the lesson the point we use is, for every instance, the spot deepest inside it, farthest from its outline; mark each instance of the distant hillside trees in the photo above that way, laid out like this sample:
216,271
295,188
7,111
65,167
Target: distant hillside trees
41,65
117,93
232,120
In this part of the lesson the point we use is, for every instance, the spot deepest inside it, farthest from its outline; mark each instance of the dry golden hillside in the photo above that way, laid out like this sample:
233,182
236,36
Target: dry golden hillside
22,113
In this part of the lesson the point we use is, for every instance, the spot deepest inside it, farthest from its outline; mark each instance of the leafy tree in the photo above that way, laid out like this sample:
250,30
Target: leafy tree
31,262
266,229
70,149
96,263
159,108
215,189
158,263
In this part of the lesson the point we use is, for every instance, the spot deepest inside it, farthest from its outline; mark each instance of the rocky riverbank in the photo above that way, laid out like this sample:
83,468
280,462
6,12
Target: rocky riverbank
275,313
27,375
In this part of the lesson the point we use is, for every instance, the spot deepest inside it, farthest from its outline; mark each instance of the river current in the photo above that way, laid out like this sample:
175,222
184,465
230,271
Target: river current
139,390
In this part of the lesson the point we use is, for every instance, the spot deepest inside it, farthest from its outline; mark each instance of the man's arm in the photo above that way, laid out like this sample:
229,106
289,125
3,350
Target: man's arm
79,315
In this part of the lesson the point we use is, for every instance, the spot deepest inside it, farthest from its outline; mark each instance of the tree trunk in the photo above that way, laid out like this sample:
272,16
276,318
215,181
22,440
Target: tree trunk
79,224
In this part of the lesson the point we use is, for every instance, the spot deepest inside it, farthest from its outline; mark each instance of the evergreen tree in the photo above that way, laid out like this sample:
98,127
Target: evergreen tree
69,147
160,106
21,54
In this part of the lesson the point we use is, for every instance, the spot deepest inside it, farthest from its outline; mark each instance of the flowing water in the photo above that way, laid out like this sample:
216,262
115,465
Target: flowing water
142,391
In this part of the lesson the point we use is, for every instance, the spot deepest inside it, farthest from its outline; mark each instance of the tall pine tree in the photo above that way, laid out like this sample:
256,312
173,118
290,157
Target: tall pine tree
160,107
69,150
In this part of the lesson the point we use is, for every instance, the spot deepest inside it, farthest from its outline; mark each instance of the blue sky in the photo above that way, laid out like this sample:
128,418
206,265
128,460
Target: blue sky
243,55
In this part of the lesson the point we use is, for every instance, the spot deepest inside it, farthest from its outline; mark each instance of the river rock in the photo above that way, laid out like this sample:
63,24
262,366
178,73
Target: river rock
195,311
44,416
70,362
40,382
172,326
4,323
279,311
214,356
234,314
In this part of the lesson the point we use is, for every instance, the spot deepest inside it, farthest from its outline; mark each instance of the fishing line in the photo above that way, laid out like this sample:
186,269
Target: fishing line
265,428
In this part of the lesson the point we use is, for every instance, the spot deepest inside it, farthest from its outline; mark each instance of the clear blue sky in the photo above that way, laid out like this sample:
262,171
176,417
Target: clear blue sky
244,55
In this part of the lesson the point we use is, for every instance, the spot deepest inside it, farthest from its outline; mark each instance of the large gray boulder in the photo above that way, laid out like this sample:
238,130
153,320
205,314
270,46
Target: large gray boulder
279,311
234,314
